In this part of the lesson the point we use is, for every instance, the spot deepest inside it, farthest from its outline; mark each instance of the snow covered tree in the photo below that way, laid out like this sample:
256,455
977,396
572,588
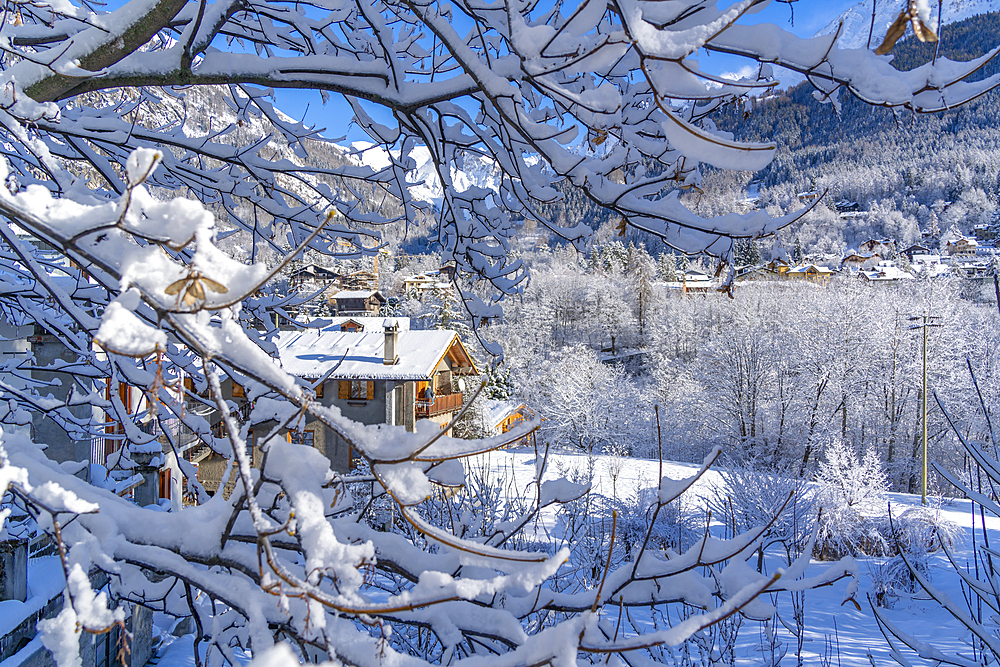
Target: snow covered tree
747,252
666,268
584,403
641,276
111,245
852,492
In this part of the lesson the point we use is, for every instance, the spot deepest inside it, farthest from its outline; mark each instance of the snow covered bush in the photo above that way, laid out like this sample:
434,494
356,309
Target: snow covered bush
759,490
912,537
852,502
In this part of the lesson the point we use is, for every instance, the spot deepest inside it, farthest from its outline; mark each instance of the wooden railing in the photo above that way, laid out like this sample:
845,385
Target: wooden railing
442,403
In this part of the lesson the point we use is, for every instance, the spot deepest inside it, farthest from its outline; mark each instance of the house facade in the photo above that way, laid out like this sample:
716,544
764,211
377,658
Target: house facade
962,247
357,302
811,272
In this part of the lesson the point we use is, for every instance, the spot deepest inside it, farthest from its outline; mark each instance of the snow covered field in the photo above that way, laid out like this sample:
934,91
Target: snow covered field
840,635
836,634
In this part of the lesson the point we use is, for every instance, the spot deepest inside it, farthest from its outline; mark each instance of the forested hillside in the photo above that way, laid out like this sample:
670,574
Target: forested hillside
909,172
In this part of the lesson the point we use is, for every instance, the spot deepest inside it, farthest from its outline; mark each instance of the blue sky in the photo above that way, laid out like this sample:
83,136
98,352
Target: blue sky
810,17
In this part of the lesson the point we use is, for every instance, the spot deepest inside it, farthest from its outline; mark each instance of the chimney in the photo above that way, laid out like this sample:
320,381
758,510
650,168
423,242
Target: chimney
391,355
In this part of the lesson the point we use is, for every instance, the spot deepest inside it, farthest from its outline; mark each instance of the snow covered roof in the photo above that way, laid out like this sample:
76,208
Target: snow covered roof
312,354
854,255
805,268
355,294
496,411
965,240
368,323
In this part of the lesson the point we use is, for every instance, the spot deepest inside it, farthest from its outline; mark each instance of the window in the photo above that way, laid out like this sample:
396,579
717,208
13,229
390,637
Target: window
301,438
106,648
166,477
319,389
356,390
238,391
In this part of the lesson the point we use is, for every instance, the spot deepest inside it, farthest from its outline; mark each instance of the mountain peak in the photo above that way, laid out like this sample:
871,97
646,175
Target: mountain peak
858,19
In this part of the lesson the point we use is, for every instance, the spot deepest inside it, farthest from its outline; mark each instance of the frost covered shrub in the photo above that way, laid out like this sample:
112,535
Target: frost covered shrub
753,491
916,533
923,530
851,496
889,578
672,528
585,525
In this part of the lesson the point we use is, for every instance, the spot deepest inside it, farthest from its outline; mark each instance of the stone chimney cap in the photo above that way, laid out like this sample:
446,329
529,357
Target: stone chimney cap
390,324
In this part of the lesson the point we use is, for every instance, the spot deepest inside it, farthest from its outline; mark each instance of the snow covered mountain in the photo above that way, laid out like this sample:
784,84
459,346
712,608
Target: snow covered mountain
858,19
474,170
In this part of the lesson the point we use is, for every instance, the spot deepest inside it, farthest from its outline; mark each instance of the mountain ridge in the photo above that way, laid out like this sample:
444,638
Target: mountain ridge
858,22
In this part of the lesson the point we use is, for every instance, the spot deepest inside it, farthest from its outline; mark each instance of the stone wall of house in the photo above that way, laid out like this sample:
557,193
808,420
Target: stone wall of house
47,350
23,645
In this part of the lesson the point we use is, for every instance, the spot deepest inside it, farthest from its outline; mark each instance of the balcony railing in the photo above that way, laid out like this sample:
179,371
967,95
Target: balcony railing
442,403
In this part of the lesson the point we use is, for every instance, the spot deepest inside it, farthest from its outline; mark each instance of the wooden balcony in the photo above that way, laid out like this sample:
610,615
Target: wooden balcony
442,403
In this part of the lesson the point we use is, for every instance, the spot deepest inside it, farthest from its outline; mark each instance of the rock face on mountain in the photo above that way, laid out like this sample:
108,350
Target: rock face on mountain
857,20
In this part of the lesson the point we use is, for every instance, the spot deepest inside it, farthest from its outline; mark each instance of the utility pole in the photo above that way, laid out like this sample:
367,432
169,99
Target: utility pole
926,321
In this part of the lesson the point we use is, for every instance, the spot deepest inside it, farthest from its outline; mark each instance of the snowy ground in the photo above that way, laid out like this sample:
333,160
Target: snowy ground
843,633
840,636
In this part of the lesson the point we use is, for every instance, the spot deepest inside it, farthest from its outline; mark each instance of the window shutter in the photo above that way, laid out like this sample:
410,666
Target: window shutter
319,389
371,390
238,391
343,389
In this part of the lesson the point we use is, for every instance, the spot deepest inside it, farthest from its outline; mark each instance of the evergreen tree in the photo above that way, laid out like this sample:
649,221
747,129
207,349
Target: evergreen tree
642,275
666,267
747,252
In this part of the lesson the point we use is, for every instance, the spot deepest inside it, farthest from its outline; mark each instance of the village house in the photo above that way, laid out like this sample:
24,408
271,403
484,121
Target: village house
384,375
358,280
357,323
691,281
357,302
916,249
811,272
961,247
884,247
391,376
501,416
929,266
885,272
419,285
311,277
860,260
986,231
33,588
